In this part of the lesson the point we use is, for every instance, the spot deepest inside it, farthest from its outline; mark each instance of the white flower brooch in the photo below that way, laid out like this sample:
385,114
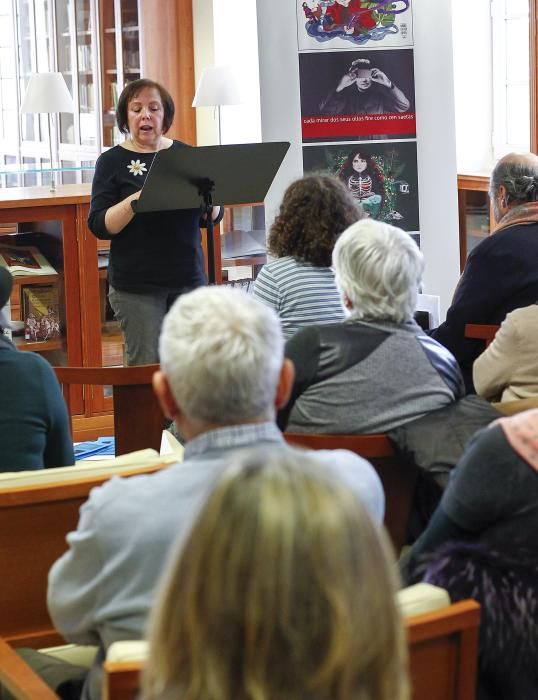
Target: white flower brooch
137,168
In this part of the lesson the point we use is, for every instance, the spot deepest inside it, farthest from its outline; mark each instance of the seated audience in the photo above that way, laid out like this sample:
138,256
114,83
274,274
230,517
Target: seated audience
34,425
262,595
299,285
481,543
508,368
222,374
501,273
376,370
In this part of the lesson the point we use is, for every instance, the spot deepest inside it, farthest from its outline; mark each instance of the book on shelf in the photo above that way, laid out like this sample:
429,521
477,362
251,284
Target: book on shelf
41,312
25,261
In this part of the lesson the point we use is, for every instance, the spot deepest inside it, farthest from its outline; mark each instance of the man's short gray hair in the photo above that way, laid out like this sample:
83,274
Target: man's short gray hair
379,268
519,175
221,351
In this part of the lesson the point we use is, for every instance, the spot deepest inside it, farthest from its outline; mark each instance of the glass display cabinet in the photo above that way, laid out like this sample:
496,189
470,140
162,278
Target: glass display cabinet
95,45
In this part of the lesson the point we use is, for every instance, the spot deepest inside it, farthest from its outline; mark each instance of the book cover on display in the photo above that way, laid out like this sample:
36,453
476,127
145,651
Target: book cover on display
41,312
381,176
348,95
25,261
341,24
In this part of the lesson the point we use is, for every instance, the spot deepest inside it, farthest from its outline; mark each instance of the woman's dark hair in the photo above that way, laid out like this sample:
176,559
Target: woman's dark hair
131,90
346,169
314,211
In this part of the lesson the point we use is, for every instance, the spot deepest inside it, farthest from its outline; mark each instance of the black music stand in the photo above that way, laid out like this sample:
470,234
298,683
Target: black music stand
185,178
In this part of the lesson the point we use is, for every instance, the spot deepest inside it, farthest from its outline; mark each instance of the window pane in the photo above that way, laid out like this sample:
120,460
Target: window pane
517,49
517,115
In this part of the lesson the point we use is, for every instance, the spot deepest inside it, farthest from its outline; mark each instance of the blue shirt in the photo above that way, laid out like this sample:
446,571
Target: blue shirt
102,588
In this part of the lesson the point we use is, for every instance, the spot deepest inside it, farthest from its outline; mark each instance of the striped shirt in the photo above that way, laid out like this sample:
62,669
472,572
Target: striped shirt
300,293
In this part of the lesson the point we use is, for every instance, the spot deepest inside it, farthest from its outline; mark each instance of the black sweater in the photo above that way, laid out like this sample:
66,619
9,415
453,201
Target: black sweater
155,251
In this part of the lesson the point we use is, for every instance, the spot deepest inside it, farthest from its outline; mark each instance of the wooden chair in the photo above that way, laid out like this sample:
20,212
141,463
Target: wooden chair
398,477
121,680
481,331
34,521
138,418
443,652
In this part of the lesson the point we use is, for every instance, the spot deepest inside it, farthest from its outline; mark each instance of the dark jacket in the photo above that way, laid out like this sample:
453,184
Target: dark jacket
501,274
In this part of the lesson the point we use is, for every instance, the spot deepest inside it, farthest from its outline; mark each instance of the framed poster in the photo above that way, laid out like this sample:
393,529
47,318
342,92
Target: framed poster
381,176
357,94
347,24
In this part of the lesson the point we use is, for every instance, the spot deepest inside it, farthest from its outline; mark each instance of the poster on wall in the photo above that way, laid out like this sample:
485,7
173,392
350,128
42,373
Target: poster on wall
381,176
347,24
358,94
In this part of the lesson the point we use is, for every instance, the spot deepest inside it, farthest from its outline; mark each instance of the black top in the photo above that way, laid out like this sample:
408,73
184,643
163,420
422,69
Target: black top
155,251
500,275
492,497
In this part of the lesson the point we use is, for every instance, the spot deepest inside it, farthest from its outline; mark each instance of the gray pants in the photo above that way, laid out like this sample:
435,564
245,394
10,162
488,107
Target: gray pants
64,678
140,317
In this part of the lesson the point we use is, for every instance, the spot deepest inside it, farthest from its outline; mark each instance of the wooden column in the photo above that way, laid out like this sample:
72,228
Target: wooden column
167,50
533,57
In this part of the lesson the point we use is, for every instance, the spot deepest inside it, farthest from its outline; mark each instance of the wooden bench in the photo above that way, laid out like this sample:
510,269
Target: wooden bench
443,650
397,476
35,518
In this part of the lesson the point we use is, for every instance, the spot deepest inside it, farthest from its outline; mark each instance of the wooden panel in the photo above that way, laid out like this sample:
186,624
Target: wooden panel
533,73
34,521
168,57
398,477
443,654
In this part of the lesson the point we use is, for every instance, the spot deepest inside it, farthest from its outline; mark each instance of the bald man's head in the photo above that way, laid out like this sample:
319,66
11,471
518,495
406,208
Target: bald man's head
514,181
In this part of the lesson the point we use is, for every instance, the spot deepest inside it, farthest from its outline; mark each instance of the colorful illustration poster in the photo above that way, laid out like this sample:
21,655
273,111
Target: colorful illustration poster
357,95
381,176
348,24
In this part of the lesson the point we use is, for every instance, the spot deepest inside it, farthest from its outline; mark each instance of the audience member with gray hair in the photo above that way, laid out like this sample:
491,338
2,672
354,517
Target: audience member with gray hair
501,273
376,370
222,375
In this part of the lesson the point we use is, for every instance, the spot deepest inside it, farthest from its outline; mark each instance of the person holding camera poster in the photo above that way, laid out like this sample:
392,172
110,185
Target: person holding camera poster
364,89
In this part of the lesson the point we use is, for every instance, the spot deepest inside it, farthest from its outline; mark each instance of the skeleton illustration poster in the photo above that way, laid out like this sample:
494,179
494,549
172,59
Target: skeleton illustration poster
381,176
359,94
340,24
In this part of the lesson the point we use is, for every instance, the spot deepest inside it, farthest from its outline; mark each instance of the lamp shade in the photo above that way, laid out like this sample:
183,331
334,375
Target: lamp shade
218,86
47,92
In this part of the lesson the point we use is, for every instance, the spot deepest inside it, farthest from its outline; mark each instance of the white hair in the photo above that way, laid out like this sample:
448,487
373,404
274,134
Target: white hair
379,269
221,351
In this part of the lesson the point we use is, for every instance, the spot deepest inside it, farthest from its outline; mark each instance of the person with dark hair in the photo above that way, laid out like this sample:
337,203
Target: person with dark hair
364,89
362,179
34,425
300,285
501,273
154,257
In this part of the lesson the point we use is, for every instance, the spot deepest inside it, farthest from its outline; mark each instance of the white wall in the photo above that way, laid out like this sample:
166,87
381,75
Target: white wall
471,27
226,34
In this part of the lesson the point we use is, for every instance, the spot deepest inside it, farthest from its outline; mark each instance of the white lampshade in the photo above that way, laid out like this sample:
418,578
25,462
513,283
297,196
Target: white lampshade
218,86
47,92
